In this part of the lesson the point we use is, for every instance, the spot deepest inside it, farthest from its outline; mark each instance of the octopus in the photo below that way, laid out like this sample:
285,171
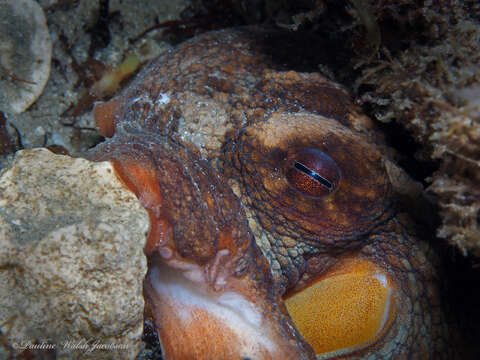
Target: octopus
274,224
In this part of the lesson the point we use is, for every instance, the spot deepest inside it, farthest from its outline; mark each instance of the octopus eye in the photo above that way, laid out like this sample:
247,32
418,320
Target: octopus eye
347,309
313,173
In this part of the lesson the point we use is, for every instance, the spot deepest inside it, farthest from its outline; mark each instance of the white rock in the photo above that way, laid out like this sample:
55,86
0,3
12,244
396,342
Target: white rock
71,257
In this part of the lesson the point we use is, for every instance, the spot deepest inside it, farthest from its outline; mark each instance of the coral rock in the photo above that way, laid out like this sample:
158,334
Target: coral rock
431,89
71,259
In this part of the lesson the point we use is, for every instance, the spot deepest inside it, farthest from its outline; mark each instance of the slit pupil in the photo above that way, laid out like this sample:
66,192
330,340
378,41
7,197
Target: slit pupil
302,168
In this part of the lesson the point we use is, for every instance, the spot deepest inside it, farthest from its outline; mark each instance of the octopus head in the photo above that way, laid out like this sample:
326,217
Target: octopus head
321,205
291,251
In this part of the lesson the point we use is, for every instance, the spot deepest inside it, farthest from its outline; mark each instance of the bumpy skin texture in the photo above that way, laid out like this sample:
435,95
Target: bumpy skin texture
224,111
198,229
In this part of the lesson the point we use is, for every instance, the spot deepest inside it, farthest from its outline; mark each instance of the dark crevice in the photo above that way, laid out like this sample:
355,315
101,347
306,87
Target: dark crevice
402,140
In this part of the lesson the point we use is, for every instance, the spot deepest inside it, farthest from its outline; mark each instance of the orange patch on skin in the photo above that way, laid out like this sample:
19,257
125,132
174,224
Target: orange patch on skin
348,307
225,240
106,116
195,323
182,338
142,180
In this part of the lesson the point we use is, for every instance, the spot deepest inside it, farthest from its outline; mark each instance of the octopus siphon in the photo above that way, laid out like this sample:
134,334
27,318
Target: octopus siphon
274,224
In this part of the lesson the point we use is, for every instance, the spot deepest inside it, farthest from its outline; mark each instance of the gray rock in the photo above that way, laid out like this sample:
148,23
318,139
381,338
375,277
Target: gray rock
25,54
71,259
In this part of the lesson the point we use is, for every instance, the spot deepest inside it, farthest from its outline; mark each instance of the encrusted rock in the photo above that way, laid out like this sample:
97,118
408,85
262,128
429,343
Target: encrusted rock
71,259
429,84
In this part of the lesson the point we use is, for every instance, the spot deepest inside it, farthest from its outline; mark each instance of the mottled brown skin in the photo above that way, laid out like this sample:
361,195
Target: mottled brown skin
193,216
224,112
